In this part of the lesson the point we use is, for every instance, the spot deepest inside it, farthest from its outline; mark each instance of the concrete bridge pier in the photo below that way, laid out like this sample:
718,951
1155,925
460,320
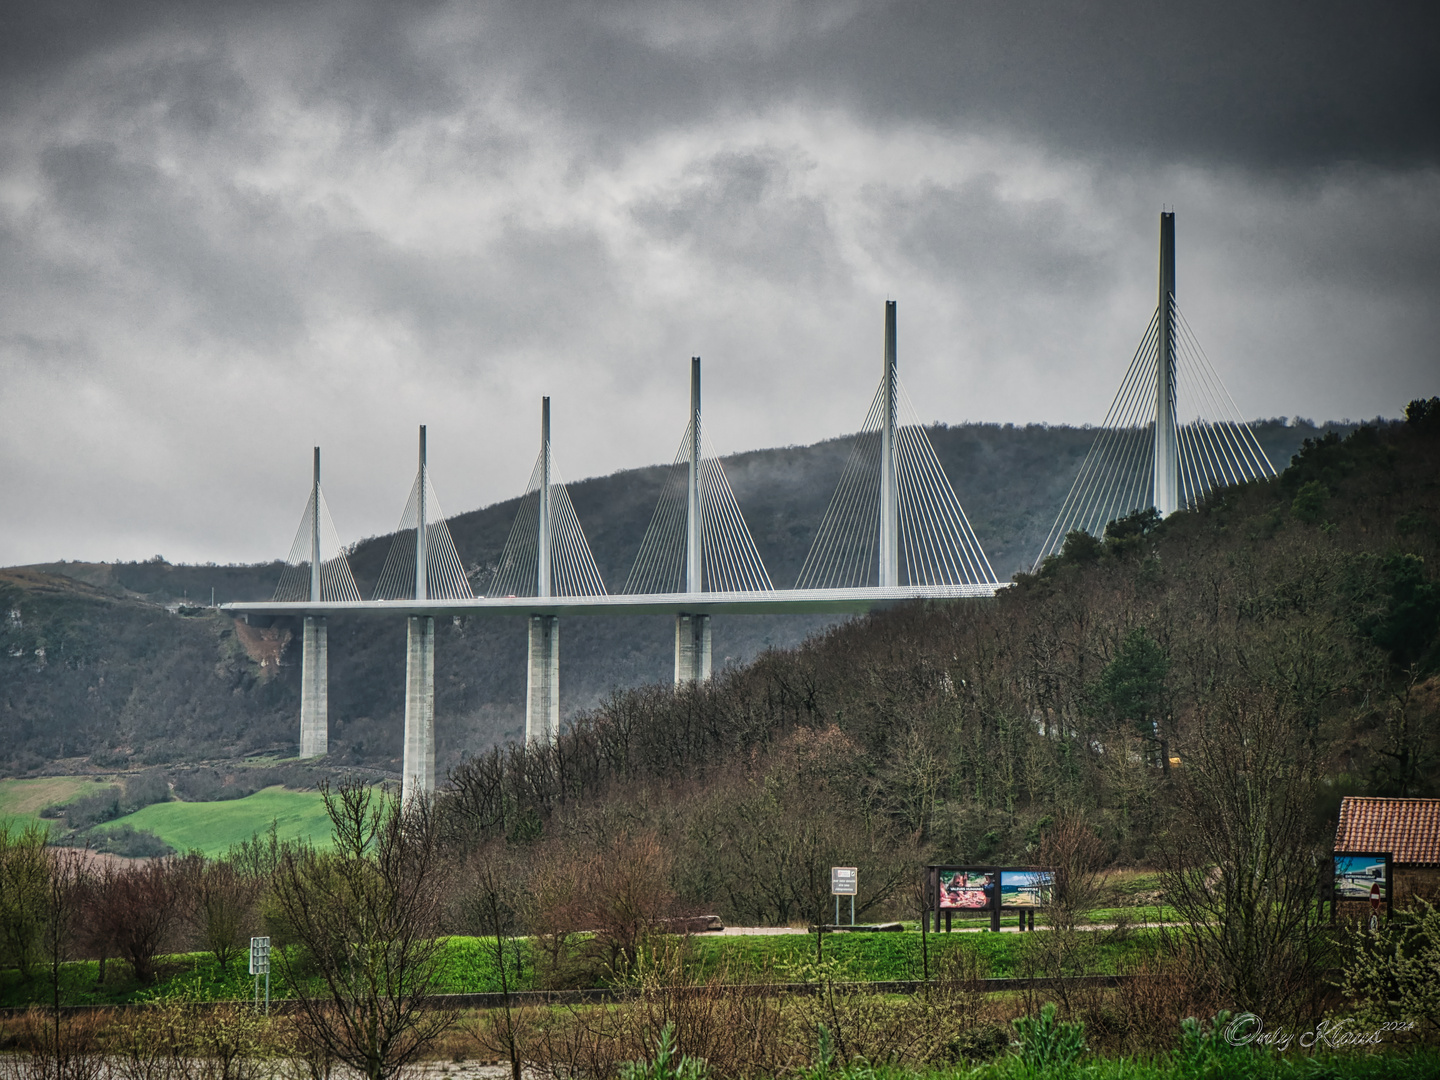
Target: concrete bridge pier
418,779
314,689
542,682
692,648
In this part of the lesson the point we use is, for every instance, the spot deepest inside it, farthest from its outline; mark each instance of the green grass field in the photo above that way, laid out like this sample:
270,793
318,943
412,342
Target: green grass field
467,965
22,800
215,827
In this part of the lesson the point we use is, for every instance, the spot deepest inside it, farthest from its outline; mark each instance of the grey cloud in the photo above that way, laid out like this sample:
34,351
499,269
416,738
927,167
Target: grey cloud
217,262
971,233
741,209
1281,85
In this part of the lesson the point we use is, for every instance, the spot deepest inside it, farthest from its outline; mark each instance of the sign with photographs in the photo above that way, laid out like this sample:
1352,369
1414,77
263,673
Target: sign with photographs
1358,874
1025,888
962,889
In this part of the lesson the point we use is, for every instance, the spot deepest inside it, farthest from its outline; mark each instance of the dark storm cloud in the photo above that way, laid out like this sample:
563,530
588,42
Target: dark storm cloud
329,221
1265,85
1296,84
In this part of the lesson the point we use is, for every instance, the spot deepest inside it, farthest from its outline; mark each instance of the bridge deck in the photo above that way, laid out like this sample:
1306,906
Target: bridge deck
775,602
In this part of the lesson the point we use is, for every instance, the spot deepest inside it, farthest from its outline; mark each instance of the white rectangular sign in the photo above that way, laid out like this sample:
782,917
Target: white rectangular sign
260,957
844,880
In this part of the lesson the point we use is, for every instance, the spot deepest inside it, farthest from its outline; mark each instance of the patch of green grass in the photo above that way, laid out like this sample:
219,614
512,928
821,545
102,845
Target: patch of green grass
467,965
215,827
22,800
882,957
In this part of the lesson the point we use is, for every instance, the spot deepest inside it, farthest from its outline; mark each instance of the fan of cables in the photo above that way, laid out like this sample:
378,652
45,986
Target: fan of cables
1117,477
572,567
336,581
444,574
937,545
729,560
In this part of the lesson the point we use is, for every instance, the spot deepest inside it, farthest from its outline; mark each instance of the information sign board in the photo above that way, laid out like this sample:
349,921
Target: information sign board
259,956
844,880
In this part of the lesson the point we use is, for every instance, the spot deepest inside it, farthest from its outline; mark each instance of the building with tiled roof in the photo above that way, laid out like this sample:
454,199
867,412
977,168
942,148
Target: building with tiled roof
1408,829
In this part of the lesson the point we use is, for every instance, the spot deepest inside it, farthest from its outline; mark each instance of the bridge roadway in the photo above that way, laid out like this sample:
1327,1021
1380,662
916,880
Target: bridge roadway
691,610
777,601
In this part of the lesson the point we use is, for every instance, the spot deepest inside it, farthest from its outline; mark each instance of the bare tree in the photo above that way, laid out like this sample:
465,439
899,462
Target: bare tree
1240,862
360,922
131,912
221,907
491,905
1075,857
24,873
64,898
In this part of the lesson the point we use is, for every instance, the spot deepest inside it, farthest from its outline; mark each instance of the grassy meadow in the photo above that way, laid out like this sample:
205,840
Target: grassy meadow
214,827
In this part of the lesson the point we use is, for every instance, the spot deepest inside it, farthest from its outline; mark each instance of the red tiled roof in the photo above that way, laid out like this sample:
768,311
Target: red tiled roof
1409,829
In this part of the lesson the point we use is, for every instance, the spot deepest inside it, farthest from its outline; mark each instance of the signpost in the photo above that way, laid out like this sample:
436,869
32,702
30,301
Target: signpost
260,965
844,881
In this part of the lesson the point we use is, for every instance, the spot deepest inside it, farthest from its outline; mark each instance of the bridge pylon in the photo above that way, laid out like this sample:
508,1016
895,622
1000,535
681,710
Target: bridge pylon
697,543
1144,455
894,520
545,555
316,572
422,565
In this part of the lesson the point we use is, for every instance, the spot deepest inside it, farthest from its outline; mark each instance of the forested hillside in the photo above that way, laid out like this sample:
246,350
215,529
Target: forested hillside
1258,658
94,667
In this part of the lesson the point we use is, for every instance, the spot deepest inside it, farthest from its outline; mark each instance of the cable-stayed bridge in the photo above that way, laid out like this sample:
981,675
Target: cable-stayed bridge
1144,455
894,530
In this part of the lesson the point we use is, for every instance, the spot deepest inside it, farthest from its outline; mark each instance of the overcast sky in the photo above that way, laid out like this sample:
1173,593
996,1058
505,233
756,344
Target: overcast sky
231,231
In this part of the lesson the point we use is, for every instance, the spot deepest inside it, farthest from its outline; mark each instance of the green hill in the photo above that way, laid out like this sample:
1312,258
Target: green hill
111,666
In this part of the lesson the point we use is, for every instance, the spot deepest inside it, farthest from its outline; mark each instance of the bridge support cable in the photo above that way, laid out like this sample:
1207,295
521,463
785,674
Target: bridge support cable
573,571
843,553
1213,450
729,559
316,541
933,543
422,563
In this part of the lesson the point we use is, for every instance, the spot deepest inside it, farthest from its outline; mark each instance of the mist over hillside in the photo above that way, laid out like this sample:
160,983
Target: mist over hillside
120,663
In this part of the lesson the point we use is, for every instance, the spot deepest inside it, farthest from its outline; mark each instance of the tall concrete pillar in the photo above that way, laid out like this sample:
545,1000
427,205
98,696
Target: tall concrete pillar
542,682
692,648
314,646
314,689
694,578
889,575
1167,454
418,779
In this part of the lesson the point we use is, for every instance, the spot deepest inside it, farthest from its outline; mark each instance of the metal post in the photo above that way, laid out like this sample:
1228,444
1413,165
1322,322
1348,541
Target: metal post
1167,457
693,576
889,521
852,909
422,591
542,556
315,531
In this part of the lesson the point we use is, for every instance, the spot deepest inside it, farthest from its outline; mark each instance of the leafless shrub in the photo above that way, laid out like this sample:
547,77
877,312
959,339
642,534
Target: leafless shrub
361,924
1240,861
51,1048
220,906
1076,858
131,912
